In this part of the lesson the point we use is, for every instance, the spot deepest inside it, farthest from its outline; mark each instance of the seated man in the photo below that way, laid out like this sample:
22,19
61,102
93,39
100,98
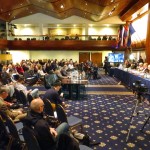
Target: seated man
53,95
13,114
19,86
47,136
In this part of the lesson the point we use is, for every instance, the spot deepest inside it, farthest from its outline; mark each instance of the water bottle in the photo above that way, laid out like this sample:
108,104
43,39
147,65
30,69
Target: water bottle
80,76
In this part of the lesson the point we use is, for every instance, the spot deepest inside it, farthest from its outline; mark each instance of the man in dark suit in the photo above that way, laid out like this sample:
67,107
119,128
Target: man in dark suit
53,95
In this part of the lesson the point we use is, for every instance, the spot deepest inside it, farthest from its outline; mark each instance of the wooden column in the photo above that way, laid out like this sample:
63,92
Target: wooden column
147,50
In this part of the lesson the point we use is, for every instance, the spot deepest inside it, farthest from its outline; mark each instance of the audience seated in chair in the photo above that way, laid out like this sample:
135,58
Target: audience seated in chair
59,74
19,85
53,95
47,136
14,114
49,79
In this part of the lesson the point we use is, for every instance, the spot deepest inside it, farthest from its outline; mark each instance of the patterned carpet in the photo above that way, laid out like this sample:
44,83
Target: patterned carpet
106,118
106,112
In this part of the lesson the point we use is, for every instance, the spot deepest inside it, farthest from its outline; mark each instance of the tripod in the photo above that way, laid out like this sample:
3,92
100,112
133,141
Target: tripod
138,102
148,118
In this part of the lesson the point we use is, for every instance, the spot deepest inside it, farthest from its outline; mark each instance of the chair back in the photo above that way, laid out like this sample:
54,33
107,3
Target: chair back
29,98
48,109
12,128
23,98
17,96
5,138
61,114
17,143
66,142
30,138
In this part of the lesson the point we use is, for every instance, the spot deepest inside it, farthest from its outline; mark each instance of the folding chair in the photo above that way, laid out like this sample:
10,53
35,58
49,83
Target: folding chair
6,141
30,138
23,98
13,132
48,109
73,121
29,98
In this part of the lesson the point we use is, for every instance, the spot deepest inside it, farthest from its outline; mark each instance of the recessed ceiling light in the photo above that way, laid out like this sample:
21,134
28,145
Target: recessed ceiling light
112,1
110,13
61,6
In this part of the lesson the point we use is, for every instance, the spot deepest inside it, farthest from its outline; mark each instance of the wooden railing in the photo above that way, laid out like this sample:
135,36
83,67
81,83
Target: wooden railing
86,45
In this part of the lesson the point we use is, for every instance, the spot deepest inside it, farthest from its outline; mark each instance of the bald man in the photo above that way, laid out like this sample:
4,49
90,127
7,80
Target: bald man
47,136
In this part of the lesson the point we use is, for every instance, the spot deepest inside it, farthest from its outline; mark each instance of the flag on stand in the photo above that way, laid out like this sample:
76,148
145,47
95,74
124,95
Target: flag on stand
120,36
125,35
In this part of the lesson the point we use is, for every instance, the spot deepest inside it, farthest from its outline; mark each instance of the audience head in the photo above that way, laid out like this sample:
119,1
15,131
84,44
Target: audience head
18,78
4,91
57,85
37,105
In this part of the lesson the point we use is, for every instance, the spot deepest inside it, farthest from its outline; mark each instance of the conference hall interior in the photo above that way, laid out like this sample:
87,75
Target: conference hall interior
80,66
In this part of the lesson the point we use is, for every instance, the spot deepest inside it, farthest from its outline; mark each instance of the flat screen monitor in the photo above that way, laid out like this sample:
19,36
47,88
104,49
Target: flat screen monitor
116,57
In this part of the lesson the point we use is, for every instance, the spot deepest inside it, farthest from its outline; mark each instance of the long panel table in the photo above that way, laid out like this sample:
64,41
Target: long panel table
128,78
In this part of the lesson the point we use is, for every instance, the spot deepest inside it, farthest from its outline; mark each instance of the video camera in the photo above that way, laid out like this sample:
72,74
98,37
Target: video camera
139,89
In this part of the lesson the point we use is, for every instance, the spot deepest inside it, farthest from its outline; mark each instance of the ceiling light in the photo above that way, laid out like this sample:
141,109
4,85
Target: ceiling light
112,1
61,6
110,13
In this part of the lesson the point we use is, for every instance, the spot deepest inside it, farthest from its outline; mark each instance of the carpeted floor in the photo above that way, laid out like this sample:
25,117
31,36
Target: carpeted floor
106,111
106,118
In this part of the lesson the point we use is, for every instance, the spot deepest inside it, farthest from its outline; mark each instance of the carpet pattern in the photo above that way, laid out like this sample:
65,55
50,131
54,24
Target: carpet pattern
106,118
106,111
104,80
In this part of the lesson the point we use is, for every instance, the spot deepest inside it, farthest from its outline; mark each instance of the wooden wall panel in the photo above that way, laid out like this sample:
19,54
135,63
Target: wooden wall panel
84,56
96,58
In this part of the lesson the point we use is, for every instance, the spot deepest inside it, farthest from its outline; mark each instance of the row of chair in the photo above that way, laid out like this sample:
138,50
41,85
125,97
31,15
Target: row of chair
61,115
22,98
10,129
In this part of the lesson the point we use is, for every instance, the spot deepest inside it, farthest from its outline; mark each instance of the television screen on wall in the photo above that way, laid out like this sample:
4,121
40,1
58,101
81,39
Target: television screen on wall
116,57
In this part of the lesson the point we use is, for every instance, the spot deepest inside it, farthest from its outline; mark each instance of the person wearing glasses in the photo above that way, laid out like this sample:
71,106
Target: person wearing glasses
46,135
